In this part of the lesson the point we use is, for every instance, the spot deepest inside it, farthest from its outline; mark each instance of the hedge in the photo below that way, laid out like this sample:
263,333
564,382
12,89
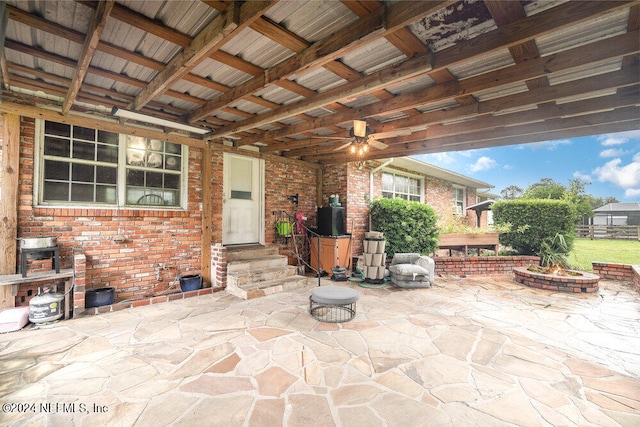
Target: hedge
534,221
407,226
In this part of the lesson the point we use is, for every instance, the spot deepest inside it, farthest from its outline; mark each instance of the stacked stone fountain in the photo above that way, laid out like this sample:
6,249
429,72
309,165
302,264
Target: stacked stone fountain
374,257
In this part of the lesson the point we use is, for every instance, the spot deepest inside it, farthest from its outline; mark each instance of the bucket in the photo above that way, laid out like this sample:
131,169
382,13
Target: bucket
99,297
283,228
45,307
190,282
334,200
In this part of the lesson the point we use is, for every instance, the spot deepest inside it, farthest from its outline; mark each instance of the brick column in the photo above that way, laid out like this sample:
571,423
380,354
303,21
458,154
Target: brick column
79,280
218,265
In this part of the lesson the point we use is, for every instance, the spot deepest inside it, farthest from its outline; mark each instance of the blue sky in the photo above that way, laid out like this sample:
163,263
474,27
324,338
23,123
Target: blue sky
610,162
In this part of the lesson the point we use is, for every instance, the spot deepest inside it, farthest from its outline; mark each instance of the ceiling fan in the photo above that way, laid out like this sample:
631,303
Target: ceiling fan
360,138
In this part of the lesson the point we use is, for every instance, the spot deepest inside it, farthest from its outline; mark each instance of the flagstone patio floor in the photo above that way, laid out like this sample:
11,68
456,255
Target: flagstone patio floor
478,351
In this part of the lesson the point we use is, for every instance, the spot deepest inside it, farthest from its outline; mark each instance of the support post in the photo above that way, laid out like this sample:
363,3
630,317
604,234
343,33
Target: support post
8,202
207,205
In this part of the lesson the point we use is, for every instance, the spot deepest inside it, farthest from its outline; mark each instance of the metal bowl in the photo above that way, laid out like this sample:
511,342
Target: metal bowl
37,242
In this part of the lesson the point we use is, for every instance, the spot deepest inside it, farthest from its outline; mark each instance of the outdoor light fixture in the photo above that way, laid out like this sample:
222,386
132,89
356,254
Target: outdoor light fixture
126,114
360,128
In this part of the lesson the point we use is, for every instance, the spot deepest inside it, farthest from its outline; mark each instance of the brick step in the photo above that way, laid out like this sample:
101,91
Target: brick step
244,277
243,253
264,262
267,287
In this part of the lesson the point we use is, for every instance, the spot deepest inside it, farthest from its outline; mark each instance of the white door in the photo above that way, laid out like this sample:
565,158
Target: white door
242,211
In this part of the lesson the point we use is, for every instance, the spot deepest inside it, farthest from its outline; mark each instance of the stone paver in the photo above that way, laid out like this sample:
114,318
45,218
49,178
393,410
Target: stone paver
473,351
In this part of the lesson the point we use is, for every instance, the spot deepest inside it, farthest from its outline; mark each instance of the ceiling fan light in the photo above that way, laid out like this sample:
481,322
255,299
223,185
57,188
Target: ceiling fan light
352,148
365,147
360,128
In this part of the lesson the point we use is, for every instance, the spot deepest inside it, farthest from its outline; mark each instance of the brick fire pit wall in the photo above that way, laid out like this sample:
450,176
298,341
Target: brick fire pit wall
586,282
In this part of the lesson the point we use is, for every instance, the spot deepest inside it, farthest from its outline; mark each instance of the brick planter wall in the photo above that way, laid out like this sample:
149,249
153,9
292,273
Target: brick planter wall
480,266
636,277
613,271
587,282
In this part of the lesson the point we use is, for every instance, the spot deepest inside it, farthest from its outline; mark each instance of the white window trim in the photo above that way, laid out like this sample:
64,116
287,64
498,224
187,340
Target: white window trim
464,199
121,183
408,175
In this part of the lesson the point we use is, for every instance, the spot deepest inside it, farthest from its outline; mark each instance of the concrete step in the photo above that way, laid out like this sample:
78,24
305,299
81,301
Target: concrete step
258,263
267,287
240,253
245,277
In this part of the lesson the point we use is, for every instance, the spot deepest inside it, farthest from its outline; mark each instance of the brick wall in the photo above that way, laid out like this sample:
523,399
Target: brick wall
481,266
353,187
614,271
285,178
170,237
636,277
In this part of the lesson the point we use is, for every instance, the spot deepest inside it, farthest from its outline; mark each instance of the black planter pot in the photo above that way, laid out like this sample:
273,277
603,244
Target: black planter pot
190,282
99,297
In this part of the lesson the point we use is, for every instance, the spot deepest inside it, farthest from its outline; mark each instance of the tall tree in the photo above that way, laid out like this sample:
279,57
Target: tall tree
511,192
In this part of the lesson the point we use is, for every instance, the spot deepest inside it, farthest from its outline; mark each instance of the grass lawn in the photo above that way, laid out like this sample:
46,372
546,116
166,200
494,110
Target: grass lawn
621,251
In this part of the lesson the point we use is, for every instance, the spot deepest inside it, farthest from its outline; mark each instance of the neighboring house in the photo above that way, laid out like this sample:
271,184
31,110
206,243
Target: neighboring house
87,186
617,214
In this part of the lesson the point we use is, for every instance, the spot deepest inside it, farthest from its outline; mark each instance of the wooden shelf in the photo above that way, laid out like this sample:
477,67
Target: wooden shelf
39,277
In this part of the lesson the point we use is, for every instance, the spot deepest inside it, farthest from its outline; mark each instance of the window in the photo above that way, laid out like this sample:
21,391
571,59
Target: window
80,164
87,166
401,186
153,172
459,197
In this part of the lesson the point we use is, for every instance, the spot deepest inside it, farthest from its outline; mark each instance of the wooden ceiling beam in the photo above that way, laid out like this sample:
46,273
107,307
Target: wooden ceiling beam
410,68
546,112
96,26
618,46
366,29
560,124
279,34
97,123
212,37
614,80
571,127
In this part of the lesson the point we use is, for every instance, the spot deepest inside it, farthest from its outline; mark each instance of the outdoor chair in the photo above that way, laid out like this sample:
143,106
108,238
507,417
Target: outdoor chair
409,270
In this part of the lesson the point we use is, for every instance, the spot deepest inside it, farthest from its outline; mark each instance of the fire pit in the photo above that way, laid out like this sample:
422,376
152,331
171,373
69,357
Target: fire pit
571,281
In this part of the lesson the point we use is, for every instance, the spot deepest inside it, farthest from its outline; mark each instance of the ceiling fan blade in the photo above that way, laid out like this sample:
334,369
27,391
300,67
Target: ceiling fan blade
377,144
391,133
342,146
337,138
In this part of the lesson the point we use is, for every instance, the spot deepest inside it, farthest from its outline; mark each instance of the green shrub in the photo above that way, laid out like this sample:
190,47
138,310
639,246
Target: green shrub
535,223
407,226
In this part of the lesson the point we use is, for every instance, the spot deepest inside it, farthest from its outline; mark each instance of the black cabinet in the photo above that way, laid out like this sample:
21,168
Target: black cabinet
331,221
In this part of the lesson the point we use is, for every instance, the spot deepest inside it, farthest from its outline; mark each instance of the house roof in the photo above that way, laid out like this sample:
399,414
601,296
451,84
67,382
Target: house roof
618,208
482,206
427,169
289,77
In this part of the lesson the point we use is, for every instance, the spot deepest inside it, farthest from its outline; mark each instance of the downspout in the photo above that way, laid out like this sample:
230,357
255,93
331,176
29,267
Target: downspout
371,172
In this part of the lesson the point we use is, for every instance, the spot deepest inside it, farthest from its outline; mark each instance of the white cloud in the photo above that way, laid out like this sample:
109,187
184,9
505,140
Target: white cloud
623,176
611,152
619,138
582,176
483,163
548,145
632,192
507,167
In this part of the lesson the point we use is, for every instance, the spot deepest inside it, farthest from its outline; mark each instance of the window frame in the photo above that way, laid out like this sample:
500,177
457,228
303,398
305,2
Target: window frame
121,170
455,199
395,173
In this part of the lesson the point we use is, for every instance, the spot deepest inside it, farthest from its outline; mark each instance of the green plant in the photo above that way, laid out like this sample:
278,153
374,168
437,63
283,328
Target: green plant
554,252
407,226
534,221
